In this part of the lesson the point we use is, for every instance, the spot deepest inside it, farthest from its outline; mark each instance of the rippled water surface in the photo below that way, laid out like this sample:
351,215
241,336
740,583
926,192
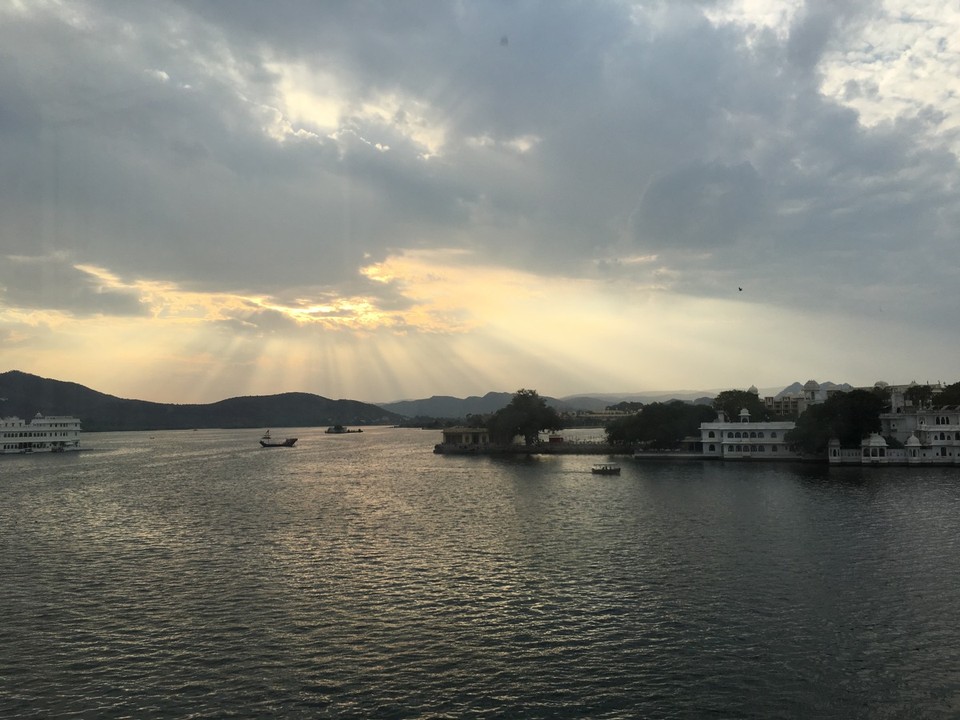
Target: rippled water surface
195,574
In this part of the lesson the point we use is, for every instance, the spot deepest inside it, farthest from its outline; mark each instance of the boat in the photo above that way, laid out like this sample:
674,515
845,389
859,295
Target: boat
45,433
605,469
267,441
340,430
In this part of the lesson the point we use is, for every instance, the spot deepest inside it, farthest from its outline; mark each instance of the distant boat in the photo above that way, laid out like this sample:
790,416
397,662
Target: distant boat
340,430
267,441
605,469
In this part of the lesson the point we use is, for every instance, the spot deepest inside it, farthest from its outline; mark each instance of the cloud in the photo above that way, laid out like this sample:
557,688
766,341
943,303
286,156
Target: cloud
53,283
255,166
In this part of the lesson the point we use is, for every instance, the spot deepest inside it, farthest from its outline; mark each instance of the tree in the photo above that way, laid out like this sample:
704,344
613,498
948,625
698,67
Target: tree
919,395
526,414
849,417
949,396
732,402
661,426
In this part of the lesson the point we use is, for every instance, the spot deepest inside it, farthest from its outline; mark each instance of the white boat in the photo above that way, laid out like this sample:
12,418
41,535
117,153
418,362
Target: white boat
50,433
605,469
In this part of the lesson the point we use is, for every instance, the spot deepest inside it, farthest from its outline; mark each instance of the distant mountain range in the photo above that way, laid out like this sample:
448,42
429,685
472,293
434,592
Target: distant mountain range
24,395
445,406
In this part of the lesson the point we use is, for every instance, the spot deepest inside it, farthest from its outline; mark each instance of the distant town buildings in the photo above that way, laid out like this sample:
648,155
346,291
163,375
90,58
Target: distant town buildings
919,434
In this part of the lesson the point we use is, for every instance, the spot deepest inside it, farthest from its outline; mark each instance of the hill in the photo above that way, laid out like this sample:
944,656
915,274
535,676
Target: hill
446,406
24,395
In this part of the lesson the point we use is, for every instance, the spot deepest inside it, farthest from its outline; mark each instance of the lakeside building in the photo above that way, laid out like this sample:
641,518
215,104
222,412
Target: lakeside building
929,435
52,433
899,402
746,439
943,449
463,439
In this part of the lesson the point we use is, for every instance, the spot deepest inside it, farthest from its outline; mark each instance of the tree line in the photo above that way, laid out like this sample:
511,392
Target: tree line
847,416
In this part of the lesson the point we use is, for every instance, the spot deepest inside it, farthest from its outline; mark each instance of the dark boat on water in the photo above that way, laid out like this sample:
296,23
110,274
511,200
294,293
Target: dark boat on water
267,441
340,430
605,469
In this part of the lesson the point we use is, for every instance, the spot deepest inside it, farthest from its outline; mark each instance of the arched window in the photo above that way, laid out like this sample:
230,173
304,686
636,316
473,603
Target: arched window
737,434
729,434
710,434
753,433
713,448
773,434
760,434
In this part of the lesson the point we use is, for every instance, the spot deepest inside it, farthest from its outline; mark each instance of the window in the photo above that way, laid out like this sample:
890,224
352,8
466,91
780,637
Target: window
773,434
710,434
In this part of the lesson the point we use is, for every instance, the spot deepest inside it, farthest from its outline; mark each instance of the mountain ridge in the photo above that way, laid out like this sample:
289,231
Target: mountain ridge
24,395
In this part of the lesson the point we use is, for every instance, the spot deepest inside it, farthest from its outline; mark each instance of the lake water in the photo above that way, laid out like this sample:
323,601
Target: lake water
195,574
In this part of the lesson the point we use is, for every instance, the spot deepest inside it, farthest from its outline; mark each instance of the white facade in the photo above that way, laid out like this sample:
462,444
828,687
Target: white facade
745,439
54,433
930,434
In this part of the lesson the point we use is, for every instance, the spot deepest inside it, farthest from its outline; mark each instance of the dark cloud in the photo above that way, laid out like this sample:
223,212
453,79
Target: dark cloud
51,283
700,206
597,130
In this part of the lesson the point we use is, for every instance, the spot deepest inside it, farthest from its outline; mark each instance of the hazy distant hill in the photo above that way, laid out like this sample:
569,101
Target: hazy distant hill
25,395
445,406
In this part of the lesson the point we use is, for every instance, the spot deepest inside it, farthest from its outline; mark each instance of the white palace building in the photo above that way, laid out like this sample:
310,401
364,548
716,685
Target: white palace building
929,436
745,439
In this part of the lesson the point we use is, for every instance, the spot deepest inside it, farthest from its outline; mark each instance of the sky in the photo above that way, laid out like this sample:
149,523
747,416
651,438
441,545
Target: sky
392,200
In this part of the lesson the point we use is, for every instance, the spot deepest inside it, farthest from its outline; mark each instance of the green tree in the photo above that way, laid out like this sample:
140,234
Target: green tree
661,426
848,417
949,396
885,395
732,402
919,395
526,414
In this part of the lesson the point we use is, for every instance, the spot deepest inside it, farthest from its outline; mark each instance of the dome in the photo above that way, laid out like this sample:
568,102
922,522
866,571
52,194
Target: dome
881,384
875,440
912,441
753,389
811,385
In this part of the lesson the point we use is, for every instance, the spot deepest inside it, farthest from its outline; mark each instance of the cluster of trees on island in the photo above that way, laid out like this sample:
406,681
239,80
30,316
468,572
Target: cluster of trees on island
846,416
